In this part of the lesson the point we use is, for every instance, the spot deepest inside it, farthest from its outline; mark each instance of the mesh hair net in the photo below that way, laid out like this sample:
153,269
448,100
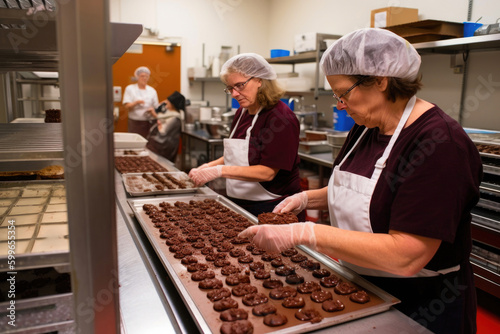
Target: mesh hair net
142,69
249,64
371,51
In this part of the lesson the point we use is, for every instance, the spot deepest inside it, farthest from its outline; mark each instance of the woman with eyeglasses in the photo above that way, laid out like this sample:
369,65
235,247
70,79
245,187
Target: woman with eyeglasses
402,189
260,161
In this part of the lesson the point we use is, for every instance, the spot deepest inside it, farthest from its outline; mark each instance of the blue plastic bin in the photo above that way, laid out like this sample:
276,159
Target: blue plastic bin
279,53
470,27
341,120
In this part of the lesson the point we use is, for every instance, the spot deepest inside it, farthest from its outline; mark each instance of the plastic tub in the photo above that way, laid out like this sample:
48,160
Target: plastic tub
470,27
279,53
341,120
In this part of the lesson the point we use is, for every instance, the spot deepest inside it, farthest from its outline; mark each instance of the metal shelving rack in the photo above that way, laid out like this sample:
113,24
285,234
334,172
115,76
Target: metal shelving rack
76,40
308,57
484,229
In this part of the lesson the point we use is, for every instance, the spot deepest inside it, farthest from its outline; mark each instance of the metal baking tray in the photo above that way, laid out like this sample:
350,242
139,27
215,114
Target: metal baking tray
200,307
38,209
130,152
317,146
148,189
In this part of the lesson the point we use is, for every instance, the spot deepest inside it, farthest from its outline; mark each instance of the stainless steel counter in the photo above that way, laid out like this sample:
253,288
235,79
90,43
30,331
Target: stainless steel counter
150,303
203,136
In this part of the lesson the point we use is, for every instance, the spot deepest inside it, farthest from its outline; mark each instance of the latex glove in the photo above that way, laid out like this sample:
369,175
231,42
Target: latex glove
275,238
195,170
200,176
295,203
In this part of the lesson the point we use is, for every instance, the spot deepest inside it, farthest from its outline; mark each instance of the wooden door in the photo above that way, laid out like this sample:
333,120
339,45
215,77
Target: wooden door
165,66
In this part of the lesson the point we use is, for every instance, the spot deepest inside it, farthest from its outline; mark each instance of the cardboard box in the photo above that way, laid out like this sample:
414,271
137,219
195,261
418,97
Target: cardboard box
428,30
390,16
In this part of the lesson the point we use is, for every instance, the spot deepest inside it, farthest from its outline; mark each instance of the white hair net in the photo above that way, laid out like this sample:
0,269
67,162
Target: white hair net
371,51
141,69
249,64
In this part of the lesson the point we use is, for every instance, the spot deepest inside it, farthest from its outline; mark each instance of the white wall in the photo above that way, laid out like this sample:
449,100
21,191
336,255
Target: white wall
261,25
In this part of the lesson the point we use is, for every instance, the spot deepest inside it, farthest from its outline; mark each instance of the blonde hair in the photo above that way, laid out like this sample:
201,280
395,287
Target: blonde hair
269,93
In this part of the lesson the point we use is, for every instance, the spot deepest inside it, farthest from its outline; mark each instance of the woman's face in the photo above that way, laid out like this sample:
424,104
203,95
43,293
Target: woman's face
247,96
362,103
142,79
169,105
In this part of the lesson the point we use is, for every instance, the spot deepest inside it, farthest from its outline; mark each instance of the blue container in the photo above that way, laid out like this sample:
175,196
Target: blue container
234,103
279,53
470,27
341,120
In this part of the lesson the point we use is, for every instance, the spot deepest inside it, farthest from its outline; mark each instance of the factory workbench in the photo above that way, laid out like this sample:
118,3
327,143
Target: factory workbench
150,302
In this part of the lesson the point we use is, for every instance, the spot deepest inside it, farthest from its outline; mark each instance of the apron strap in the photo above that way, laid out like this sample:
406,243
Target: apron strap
380,165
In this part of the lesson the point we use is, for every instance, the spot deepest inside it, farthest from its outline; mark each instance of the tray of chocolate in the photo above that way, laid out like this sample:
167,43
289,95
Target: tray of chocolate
231,286
138,164
130,152
147,184
492,151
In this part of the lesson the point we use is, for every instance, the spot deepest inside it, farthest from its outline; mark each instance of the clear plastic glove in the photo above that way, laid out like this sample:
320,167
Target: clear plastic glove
295,203
200,176
275,238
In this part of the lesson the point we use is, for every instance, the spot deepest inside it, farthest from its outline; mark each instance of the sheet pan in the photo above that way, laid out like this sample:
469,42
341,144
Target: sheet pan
201,308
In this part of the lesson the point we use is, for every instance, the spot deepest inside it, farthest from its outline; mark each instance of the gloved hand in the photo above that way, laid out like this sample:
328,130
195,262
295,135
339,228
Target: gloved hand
275,238
295,203
200,176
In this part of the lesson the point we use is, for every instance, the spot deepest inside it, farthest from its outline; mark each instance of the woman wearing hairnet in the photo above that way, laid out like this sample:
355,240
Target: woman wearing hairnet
402,188
260,161
140,101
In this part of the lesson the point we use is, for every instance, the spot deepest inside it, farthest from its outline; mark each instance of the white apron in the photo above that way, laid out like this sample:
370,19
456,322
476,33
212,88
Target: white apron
236,154
349,198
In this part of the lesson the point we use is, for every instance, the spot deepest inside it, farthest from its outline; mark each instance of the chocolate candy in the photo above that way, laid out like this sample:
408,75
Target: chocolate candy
289,252
245,259
330,281
293,302
234,314
308,315
225,303
264,309
320,273
256,265
272,283
282,292
210,283
237,252
274,320
285,270
308,287
253,299
231,269
298,258
235,279
218,294
243,289
197,267
320,296
202,275
360,297
332,305
294,279
278,262
262,274
309,265
239,326
344,288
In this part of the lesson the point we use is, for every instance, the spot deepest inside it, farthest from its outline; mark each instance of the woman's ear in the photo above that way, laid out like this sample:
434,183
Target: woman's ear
381,83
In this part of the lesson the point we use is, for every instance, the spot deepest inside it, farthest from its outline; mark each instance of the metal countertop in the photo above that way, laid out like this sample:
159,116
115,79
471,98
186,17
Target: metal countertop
149,302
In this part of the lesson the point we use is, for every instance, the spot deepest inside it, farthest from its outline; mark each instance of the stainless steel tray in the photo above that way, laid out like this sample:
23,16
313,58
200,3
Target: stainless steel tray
318,146
201,308
38,211
146,188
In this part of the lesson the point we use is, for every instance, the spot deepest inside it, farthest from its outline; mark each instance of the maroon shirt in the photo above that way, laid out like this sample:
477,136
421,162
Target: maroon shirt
429,185
274,142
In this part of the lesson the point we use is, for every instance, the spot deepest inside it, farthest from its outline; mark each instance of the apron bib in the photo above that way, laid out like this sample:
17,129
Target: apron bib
236,154
350,195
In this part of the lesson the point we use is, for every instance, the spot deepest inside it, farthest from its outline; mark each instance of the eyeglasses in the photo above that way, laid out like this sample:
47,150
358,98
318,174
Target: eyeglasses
339,98
237,87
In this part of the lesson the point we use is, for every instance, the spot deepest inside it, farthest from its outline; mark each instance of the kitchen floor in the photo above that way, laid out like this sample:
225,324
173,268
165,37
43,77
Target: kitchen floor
488,313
